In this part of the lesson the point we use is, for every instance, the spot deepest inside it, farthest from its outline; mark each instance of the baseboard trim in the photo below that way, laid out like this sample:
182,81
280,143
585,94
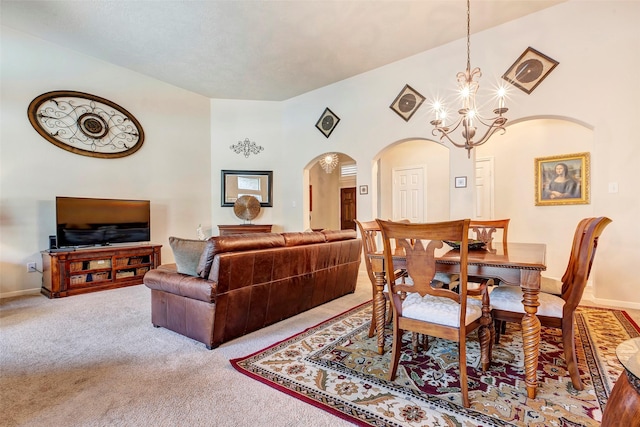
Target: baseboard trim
5,295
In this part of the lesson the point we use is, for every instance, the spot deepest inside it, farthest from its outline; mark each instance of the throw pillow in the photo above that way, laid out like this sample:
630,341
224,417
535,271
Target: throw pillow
187,254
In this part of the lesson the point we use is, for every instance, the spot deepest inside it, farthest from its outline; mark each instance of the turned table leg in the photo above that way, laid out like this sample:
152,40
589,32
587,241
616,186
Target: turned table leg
379,308
530,283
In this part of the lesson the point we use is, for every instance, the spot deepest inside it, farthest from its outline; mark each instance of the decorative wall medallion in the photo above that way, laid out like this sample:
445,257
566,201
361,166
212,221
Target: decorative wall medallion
327,122
246,147
407,102
529,70
85,124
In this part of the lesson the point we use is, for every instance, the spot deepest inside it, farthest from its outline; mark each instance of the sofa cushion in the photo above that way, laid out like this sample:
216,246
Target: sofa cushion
206,258
187,254
235,243
302,238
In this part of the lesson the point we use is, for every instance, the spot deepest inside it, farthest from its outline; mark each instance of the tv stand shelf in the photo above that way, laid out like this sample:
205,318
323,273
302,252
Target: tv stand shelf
77,271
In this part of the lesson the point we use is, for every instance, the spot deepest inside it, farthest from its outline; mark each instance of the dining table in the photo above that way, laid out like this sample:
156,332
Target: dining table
512,264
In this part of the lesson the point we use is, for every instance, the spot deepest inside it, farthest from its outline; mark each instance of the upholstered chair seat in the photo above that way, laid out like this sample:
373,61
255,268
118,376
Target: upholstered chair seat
442,311
509,298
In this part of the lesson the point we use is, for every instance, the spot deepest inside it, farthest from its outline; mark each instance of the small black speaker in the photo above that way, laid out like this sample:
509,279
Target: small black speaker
53,242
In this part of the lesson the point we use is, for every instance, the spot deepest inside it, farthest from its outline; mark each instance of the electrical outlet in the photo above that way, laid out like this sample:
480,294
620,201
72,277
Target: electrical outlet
31,267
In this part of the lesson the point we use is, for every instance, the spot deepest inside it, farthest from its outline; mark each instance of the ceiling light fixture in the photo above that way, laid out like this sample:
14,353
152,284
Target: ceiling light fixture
328,162
469,114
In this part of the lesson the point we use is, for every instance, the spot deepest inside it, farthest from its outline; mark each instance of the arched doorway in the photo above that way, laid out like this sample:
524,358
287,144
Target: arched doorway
331,194
402,158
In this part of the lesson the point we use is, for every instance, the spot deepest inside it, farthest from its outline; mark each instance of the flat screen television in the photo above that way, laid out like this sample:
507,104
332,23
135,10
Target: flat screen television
100,222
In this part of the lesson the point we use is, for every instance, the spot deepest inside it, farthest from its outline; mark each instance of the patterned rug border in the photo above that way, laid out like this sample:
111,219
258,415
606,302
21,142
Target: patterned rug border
288,391
327,402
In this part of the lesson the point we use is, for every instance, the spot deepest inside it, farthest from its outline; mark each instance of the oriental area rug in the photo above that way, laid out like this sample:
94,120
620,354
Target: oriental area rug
335,366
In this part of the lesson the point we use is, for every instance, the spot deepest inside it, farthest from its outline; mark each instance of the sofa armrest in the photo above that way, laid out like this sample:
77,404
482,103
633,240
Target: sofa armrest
193,287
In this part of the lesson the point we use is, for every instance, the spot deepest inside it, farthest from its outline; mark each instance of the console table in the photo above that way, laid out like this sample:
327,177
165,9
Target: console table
226,230
78,271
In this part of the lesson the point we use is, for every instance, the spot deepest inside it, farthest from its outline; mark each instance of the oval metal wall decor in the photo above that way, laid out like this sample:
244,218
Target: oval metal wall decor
85,124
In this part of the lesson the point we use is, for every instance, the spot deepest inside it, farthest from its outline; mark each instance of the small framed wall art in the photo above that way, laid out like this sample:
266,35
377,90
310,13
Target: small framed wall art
529,70
562,180
407,102
327,122
460,181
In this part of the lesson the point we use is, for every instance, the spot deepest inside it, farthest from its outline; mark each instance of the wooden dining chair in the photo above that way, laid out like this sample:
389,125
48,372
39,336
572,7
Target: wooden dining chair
432,311
484,230
369,231
557,311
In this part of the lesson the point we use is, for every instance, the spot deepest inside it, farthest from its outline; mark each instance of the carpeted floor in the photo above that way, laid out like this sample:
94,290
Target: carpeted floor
96,360
335,366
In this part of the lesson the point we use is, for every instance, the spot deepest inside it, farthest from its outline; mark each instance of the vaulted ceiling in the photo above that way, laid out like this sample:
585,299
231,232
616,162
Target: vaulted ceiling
260,50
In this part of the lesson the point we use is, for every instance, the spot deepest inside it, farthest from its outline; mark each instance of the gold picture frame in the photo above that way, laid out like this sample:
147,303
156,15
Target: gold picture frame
563,179
529,70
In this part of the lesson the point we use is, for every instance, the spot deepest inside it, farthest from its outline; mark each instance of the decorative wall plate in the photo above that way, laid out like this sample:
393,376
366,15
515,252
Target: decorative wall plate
529,70
246,207
327,122
407,102
85,124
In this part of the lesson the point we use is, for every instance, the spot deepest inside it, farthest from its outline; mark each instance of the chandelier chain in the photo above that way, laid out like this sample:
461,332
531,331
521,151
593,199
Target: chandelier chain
468,35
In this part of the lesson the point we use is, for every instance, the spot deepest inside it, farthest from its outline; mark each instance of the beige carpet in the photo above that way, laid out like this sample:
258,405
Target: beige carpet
96,360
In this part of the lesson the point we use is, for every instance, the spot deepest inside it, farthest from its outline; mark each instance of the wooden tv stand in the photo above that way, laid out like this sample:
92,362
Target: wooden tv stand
78,271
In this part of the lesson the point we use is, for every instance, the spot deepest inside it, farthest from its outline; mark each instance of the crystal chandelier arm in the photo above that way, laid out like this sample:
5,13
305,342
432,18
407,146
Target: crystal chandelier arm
493,128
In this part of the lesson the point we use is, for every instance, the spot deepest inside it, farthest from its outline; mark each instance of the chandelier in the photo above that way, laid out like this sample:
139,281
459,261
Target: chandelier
469,116
328,162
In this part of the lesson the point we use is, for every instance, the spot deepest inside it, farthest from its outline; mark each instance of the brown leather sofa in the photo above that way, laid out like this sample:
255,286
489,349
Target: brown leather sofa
246,282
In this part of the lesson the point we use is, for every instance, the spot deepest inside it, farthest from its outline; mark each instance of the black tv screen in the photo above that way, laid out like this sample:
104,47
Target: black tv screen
93,222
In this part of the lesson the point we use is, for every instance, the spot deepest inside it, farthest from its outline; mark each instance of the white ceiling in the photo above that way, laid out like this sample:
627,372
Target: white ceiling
260,50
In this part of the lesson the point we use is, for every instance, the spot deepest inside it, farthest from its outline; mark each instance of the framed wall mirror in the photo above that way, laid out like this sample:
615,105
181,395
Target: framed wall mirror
250,183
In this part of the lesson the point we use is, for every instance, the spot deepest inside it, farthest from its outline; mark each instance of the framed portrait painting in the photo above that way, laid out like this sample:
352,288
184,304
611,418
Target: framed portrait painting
562,180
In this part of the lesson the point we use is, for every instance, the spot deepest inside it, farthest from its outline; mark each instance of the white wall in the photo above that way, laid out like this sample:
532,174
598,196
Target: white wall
171,169
596,42
598,46
261,122
514,174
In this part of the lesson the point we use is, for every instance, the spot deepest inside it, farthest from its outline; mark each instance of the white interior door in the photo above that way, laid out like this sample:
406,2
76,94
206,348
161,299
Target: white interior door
408,194
484,188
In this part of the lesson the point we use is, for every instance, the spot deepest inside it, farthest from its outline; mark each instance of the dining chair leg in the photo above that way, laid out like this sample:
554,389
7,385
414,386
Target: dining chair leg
372,327
498,326
396,349
415,341
569,344
462,366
